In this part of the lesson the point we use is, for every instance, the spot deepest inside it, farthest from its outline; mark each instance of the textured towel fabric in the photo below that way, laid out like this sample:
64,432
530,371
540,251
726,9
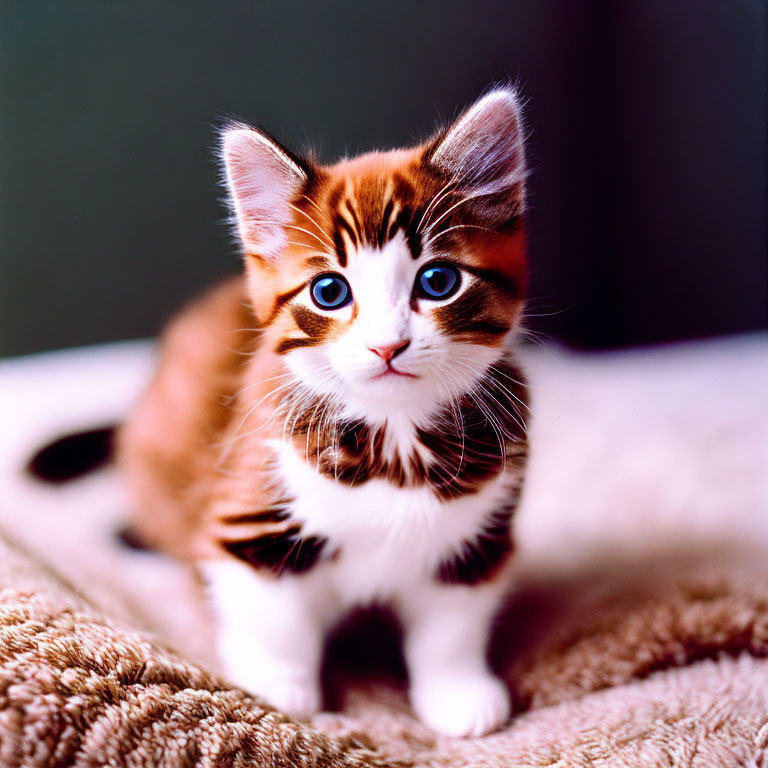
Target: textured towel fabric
636,632
75,689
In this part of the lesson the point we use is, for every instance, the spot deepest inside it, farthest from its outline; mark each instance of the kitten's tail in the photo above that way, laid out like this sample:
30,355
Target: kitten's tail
74,455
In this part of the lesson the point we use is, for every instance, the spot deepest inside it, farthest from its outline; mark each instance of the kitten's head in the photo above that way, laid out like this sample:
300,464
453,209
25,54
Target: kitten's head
391,281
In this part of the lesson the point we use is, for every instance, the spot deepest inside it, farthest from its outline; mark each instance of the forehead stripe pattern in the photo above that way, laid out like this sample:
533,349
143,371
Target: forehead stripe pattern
385,228
371,213
355,220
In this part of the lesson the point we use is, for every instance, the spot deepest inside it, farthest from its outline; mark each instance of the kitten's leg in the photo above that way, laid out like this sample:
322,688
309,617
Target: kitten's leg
446,638
270,633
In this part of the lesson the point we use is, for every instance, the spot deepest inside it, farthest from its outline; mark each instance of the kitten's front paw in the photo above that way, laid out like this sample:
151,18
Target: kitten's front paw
295,697
465,705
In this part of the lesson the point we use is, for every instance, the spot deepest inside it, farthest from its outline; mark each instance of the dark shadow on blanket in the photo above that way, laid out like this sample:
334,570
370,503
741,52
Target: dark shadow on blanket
560,638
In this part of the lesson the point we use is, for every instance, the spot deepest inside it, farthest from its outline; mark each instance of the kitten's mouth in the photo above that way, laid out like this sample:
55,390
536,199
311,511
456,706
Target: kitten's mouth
390,371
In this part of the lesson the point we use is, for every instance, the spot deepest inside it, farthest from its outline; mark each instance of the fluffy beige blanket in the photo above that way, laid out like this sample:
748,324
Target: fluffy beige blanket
635,634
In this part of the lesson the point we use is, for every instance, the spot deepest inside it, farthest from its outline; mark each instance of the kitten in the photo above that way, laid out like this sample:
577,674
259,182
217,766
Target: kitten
344,425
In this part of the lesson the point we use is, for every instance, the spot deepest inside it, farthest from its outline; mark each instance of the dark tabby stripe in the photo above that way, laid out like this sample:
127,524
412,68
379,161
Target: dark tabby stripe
340,223
470,317
316,328
479,559
356,221
384,233
281,551
340,247
286,345
407,220
504,283
491,440
371,217
318,262
281,301
410,215
314,325
284,552
262,516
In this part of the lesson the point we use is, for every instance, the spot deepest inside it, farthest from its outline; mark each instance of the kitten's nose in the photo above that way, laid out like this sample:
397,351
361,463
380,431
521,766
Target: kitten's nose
389,351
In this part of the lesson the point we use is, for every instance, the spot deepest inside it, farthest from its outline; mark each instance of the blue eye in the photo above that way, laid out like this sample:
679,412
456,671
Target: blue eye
330,291
438,281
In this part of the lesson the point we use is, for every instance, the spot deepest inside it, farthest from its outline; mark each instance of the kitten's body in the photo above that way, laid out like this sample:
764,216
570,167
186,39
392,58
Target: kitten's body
275,451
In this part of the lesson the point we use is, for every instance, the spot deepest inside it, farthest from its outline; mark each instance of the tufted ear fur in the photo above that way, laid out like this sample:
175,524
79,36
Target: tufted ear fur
263,179
483,151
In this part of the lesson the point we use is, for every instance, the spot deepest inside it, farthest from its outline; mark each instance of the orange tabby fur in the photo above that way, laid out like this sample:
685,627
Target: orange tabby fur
191,463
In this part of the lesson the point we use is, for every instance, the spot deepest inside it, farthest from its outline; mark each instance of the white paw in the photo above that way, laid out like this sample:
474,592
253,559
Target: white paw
465,705
294,696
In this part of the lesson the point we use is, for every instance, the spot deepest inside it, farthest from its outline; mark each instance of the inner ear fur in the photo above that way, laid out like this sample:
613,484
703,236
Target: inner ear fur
263,178
483,153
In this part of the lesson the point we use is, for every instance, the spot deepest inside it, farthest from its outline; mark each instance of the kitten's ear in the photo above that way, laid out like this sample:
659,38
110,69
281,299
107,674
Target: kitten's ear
483,152
263,179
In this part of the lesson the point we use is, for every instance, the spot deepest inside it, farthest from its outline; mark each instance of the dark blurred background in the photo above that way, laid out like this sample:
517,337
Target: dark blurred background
647,124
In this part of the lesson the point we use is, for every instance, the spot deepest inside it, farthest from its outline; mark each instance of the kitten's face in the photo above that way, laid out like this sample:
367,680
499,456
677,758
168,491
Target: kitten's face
392,281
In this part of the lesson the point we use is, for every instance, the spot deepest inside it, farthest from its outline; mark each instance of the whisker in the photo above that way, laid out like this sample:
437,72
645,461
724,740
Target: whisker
435,200
290,226
261,381
311,247
463,200
451,229
313,203
320,229
485,380
461,428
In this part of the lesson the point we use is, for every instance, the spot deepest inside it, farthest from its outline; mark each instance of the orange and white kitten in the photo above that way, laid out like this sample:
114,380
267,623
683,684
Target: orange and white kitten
344,425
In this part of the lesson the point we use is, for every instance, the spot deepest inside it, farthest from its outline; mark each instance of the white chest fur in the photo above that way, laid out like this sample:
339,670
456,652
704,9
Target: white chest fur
386,539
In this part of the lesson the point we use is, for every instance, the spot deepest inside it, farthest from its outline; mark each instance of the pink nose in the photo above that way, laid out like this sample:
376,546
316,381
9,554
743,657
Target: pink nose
389,351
